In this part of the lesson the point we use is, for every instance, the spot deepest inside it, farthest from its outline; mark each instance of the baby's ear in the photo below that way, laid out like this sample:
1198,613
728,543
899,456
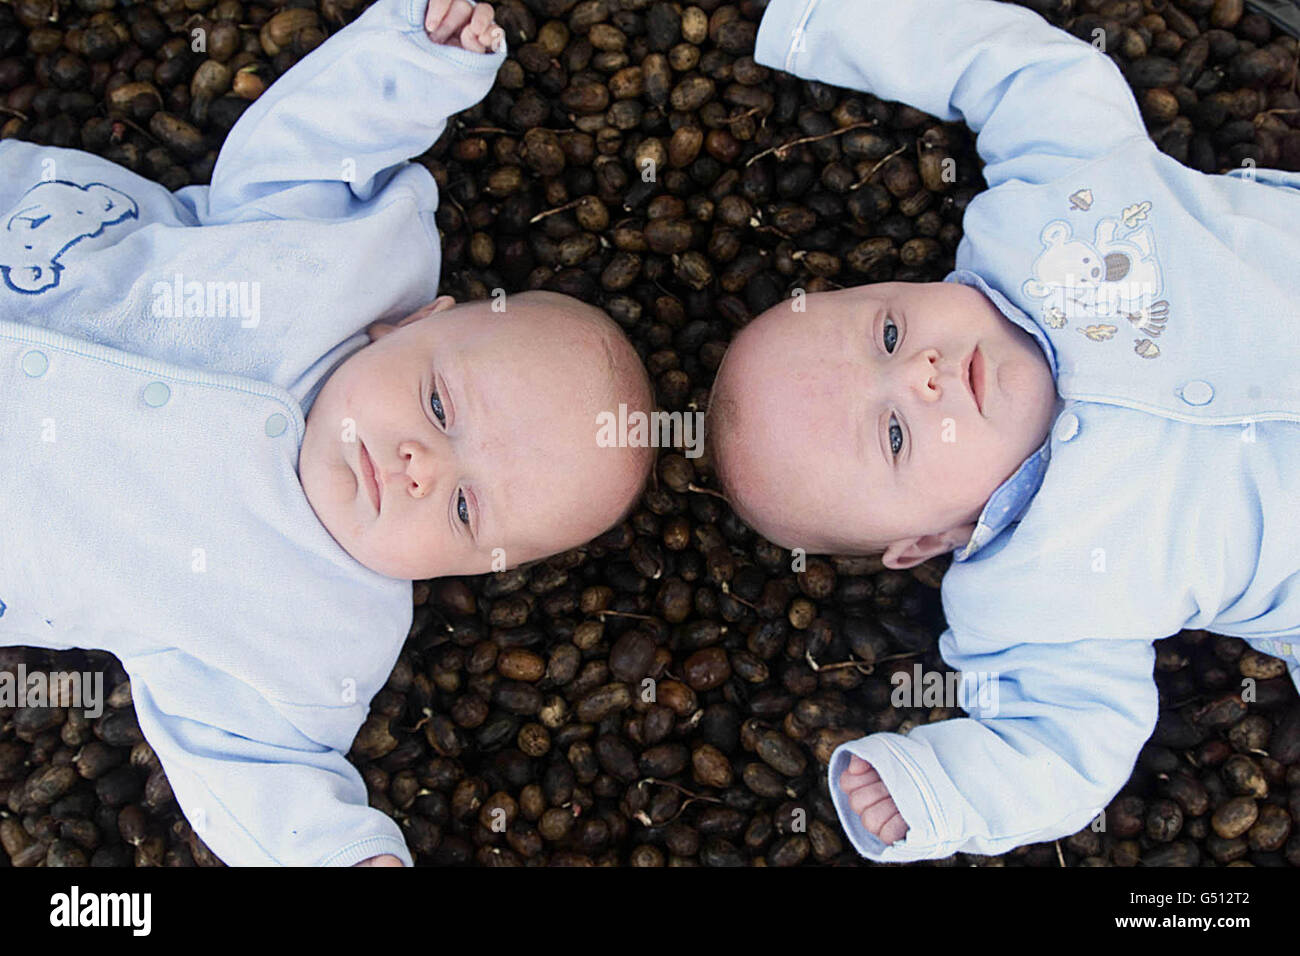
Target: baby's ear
909,552
378,330
437,305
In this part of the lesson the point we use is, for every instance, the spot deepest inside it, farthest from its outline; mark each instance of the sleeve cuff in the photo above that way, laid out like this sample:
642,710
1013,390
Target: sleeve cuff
925,840
354,853
467,60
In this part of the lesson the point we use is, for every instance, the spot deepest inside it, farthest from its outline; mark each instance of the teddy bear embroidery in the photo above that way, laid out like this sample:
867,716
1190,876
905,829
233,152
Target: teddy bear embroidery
47,221
1099,283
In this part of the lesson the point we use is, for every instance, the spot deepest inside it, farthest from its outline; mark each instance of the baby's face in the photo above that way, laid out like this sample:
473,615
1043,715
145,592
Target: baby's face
855,425
462,430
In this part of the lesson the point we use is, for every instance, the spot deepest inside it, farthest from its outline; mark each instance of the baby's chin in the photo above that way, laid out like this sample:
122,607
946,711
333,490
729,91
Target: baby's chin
392,563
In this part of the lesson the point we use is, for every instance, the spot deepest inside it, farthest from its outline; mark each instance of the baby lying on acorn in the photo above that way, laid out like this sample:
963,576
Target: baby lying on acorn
1096,413
220,468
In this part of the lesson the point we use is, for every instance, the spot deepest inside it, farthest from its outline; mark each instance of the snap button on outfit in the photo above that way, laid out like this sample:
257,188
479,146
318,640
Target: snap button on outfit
276,424
156,394
1197,393
35,363
1067,426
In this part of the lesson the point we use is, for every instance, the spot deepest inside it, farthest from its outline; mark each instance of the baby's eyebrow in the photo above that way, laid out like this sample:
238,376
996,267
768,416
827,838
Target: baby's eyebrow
873,350
877,423
484,520
870,450
466,392
466,399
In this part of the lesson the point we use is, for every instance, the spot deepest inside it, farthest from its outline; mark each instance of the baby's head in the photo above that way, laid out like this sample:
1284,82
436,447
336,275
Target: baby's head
480,427
851,427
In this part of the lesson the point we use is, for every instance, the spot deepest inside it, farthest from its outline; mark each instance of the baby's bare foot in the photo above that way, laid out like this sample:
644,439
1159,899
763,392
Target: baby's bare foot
869,799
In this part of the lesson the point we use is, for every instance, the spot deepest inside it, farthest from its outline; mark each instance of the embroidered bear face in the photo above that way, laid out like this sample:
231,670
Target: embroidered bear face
1108,277
50,218
1065,261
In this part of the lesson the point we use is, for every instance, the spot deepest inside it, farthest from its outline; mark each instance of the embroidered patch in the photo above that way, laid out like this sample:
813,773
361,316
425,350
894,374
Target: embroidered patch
1102,282
49,219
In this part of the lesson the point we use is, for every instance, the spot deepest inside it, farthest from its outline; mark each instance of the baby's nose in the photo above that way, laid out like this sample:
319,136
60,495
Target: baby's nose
421,469
927,372
930,374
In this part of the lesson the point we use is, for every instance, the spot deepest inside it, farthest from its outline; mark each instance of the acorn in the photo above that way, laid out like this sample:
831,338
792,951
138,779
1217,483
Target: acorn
280,30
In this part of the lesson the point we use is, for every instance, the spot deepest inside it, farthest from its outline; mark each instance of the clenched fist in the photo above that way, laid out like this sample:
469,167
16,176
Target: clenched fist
463,24
869,799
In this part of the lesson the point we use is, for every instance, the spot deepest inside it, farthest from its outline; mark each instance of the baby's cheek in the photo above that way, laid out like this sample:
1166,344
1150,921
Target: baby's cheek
1032,395
958,461
425,548
352,398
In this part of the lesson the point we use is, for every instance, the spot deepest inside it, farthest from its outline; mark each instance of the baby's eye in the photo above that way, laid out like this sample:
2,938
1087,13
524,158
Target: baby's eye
462,509
895,440
890,341
436,404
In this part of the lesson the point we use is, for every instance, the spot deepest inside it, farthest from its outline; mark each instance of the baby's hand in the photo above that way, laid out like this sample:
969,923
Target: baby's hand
460,23
871,801
386,859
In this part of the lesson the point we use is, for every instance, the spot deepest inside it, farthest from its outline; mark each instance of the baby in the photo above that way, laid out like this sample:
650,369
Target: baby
1096,411
220,469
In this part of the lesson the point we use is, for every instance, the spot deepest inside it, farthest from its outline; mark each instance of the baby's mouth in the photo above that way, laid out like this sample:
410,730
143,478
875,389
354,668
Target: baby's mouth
976,370
368,478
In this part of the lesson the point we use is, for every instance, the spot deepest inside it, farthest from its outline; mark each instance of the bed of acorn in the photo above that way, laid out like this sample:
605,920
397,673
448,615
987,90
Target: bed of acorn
518,695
